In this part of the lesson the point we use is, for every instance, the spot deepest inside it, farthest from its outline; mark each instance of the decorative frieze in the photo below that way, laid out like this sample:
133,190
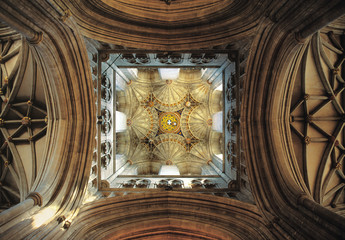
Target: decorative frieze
106,121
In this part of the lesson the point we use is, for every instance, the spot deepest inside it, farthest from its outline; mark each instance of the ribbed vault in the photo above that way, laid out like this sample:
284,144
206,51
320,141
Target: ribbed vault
266,116
23,118
170,119
277,34
317,117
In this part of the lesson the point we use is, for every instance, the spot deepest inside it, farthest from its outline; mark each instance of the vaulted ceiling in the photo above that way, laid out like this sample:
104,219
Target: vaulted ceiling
317,116
285,118
170,121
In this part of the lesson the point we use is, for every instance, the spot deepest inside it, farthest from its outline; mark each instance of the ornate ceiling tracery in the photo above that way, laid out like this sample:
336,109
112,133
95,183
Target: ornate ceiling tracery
289,214
317,118
143,122
172,118
23,120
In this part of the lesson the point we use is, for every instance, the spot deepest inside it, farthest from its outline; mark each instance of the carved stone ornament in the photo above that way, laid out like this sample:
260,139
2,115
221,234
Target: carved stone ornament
106,94
106,127
36,197
106,82
106,147
36,39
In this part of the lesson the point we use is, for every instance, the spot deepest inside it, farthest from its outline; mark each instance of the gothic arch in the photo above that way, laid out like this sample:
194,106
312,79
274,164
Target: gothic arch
68,81
273,169
280,31
203,216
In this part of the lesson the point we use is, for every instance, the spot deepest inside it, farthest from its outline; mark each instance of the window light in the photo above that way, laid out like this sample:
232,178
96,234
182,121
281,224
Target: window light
121,124
169,170
169,73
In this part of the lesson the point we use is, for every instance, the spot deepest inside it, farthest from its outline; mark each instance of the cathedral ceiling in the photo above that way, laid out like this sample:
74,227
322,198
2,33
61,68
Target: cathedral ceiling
287,207
170,121
165,119
317,117
23,119
183,24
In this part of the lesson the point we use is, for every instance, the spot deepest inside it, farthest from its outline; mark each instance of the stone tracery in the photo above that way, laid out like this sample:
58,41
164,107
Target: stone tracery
23,119
171,107
317,118
266,173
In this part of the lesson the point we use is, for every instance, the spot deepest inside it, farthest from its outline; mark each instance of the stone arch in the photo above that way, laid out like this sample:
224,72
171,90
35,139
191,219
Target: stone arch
192,215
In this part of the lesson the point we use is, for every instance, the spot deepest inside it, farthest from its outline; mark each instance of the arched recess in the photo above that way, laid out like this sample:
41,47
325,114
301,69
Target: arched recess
277,184
194,215
58,49
316,118
24,118
181,25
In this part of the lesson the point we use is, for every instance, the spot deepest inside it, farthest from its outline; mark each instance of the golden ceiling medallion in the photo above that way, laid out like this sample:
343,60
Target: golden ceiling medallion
169,122
150,104
209,122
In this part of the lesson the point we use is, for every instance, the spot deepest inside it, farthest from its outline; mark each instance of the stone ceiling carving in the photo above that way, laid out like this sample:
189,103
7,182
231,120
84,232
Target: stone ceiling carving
171,118
317,118
288,214
23,120
142,122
